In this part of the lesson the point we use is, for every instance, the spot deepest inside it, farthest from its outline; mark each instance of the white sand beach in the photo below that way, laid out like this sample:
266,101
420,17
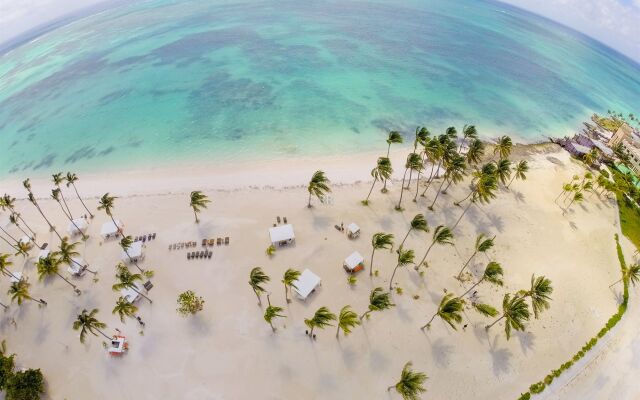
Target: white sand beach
228,351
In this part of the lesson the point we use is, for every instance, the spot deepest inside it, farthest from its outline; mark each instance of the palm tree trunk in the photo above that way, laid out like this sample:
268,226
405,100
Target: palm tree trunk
429,323
51,227
399,207
140,293
311,332
27,235
371,266
286,293
63,210
462,215
65,203
102,333
494,322
258,296
425,256
457,203
80,198
196,215
66,280
8,234
511,181
365,314
561,193
28,227
37,301
132,260
465,264
447,188
9,273
415,198
374,183
393,275
4,306
405,237
9,243
437,194
84,237
384,188
338,331
429,180
309,204
472,287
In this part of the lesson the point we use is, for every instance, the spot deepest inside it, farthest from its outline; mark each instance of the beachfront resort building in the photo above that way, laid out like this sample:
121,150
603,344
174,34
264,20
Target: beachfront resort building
625,132
634,155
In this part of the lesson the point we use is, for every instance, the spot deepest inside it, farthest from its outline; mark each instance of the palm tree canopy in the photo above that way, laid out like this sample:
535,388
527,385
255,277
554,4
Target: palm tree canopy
422,135
319,184
503,147
485,189
71,178
405,257
125,278
475,151
87,322
516,313
522,167
19,291
27,184
382,240
633,273
379,300
198,200
55,194
540,293
456,168
257,277
443,235
414,162
451,132
419,223
126,242
485,309
124,308
290,276
4,262
321,318
58,178
394,137
493,273
272,312
450,309
383,169
484,244
48,266
347,319
106,203
67,251
503,170
411,383
470,132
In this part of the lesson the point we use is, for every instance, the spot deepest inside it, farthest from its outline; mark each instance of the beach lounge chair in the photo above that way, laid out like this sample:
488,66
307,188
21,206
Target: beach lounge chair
148,285
212,242
285,220
202,254
209,254
144,239
278,219
219,241
188,256
226,240
153,236
204,242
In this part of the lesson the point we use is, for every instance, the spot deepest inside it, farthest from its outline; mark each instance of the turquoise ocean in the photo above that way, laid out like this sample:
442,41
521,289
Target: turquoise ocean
160,83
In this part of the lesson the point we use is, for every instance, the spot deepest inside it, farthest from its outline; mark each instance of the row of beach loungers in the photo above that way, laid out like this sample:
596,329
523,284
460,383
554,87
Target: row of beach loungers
205,242
199,254
145,238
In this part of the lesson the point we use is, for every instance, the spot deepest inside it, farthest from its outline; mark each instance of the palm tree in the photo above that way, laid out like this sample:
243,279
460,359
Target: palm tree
483,192
414,162
483,244
421,137
15,219
87,322
540,294
468,132
418,223
68,254
578,197
71,180
257,278
455,171
57,180
566,188
590,157
475,152
124,309
433,151
411,383
321,319
318,186
125,243
503,147
290,277
405,257
522,167
55,195
272,312
198,200
492,273
19,292
5,264
380,240
347,319
516,312
450,311
49,266
22,249
441,236
382,171
394,137
107,203
631,274
33,201
127,280
379,300
503,170
13,245
9,202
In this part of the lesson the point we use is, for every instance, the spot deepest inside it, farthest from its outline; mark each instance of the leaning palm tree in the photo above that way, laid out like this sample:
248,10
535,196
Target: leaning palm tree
450,311
405,257
125,243
5,264
483,192
418,223
475,152
12,244
57,180
127,280
455,171
380,240
382,171
107,203
379,300
15,219
124,309
411,383
33,201
19,292
469,132
519,172
394,137
631,274
503,147
50,266
87,322
540,294
22,249
413,163
492,273
321,319
347,319
318,186
272,312
566,188
515,311
9,202
578,197
289,278
421,137
56,195
68,254
483,244
441,236
198,201
257,278
71,180
503,170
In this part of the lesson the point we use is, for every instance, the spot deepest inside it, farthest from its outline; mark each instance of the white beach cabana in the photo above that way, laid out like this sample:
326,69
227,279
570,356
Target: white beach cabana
353,230
306,284
129,295
78,226
74,268
282,235
353,263
109,229
135,252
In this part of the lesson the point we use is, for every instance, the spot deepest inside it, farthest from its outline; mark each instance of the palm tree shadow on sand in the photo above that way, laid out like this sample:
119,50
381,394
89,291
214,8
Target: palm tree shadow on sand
441,353
527,341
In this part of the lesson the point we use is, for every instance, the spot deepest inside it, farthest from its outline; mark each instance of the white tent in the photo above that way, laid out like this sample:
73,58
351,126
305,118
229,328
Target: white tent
135,251
353,230
354,263
74,268
282,235
306,284
110,229
78,226
129,295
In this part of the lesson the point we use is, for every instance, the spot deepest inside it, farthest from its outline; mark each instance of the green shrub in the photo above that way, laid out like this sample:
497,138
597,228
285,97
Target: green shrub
6,369
525,396
537,387
548,379
27,385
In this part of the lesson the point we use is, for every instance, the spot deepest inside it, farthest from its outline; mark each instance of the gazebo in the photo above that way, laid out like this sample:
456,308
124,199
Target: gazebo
353,263
78,226
282,235
306,284
109,229
353,230
136,252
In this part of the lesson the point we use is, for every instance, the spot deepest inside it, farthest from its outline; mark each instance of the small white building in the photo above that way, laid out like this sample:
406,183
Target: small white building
136,252
282,235
78,226
306,284
353,231
353,263
109,229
